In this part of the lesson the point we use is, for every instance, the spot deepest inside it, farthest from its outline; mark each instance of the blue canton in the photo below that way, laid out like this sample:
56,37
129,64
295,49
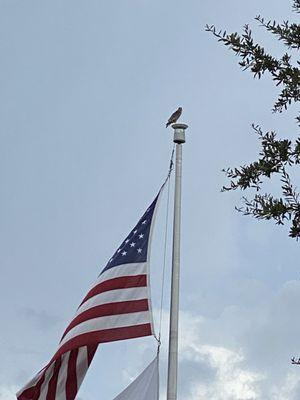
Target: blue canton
134,249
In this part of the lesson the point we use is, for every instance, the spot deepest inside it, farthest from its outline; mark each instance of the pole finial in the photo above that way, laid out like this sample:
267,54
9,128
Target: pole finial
179,133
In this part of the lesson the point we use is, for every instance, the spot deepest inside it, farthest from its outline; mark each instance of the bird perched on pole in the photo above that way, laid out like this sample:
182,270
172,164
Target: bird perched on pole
174,117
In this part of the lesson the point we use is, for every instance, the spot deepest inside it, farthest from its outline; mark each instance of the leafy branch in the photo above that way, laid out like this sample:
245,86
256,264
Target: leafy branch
276,154
258,61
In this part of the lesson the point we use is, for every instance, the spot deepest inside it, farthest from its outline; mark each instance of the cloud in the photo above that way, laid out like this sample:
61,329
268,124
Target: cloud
8,392
290,390
244,352
231,381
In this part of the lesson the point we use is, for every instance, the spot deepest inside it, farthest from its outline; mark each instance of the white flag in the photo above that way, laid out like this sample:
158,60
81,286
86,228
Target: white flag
145,386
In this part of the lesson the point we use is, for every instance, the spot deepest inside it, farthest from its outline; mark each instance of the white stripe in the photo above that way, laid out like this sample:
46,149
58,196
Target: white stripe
114,296
44,387
108,322
62,377
122,270
81,365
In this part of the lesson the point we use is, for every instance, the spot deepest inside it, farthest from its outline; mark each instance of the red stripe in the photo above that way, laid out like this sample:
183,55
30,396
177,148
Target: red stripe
103,336
89,340
27,394
117,283
71,383
33,393
122,307
51,393
91,350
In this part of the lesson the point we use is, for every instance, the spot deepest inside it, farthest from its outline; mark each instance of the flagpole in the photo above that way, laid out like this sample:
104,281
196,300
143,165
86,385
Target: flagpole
179,139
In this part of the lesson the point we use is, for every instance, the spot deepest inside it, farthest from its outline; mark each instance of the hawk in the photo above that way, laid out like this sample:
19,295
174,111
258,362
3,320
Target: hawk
174,117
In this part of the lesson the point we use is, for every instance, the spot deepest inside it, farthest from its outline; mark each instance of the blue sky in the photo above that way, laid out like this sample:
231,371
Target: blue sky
86,88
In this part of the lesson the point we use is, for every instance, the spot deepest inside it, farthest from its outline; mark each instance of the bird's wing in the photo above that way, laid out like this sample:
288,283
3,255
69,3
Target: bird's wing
175,115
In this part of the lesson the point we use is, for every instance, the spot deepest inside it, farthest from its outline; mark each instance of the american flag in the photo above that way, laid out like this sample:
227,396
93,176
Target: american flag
116,307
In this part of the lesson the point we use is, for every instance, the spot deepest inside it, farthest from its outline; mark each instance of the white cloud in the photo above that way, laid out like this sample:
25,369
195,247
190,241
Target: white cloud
8,392
232,380
243,354
289,390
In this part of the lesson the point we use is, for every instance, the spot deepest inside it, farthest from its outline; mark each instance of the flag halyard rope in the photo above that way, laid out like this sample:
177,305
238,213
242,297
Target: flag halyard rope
171,165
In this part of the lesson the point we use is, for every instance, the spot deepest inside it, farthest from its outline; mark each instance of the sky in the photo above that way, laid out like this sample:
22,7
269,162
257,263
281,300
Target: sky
86,89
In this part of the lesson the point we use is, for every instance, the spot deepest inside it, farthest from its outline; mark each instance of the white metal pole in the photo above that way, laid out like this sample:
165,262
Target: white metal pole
179,139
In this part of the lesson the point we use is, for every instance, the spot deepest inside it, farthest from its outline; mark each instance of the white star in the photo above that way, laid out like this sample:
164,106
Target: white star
143,223
110,260
132,244
139,250
135,231
118,251
124,253
141,236
126,241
